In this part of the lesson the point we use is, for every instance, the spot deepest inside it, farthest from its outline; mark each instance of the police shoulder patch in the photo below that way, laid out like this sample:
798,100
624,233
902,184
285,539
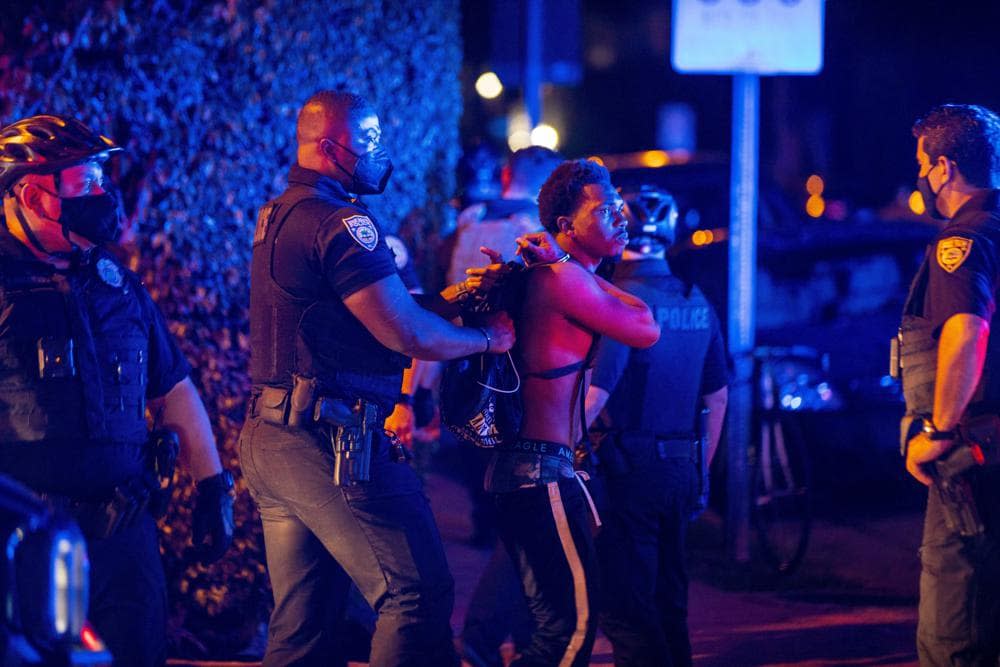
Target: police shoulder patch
363,230
952,252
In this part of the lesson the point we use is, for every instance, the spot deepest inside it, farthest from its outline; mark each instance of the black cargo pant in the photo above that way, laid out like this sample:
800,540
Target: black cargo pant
643,573
128,594
959,619
547,532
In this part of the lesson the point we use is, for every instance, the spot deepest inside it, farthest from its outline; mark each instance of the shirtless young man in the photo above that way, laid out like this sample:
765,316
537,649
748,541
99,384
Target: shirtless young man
543,509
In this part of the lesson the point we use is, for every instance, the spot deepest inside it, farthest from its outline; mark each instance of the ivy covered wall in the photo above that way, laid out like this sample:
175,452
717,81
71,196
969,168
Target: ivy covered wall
203,96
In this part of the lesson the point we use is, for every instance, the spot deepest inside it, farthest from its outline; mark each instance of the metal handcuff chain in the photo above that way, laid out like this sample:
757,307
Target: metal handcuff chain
517,387
482,370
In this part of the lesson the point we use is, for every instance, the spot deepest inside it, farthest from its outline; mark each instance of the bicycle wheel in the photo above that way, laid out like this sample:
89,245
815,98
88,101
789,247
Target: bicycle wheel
780,506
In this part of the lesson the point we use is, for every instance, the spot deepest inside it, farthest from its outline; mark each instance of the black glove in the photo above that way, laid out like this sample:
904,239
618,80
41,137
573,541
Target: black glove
212,519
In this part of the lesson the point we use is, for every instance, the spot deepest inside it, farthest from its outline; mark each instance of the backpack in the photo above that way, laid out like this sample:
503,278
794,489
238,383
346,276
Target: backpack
481,400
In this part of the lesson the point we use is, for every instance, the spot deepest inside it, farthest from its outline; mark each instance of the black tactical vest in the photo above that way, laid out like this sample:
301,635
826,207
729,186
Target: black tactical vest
918,348
73,354
304,327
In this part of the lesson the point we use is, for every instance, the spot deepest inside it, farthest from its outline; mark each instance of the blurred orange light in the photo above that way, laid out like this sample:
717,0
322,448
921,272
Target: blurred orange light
814,185
916,203
702,237
815,206
654,158
597,159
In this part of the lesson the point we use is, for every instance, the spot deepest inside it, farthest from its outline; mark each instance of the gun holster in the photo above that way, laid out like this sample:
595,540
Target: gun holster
352,427
162,449
951,473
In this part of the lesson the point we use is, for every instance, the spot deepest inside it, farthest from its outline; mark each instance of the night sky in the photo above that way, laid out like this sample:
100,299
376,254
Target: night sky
886,62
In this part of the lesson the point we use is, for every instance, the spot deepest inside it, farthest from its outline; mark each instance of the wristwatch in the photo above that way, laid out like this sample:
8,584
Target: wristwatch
934,434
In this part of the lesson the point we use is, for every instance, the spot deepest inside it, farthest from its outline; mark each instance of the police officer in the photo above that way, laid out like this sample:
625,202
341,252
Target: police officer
950,367
85,353
651,452
332,326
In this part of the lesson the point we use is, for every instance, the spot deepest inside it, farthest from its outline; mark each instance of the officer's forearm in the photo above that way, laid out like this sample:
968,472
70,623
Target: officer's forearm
594,403
961,352
446,303
182,411
434,339
716,404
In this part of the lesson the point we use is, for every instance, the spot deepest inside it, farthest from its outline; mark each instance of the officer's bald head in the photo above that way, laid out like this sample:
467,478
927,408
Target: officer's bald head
330,123
327,114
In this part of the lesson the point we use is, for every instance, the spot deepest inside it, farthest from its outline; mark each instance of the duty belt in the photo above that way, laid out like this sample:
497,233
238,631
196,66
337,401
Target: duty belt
350,426
100,519
279,406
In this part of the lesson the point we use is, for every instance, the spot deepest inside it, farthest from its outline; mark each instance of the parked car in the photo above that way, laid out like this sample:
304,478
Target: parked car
44,574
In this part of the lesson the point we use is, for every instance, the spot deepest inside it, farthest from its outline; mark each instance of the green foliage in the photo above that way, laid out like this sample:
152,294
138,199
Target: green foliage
203,96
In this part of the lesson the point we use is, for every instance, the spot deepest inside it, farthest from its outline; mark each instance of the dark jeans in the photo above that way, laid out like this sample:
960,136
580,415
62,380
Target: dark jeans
547,532
381,534
128,594
643,575
959,619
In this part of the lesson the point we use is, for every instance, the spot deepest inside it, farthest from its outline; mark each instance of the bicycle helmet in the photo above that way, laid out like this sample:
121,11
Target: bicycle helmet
47,144
652,219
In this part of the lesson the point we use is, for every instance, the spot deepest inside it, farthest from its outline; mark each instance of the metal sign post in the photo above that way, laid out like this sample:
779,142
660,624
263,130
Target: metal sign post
742,291
745,39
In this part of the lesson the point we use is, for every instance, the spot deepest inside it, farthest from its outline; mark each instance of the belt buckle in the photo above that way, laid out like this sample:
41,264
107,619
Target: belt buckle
661,449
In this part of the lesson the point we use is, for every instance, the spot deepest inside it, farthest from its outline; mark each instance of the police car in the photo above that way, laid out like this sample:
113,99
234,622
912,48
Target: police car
44,575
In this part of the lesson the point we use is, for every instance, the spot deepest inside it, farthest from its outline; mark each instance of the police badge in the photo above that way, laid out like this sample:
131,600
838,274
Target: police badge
952,251
363,230
109,272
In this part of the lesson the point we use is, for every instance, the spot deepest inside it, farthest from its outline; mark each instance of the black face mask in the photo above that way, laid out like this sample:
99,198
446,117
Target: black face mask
929,196
371,171
94,217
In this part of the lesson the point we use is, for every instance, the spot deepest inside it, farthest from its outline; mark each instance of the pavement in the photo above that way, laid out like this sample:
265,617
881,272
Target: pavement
852,601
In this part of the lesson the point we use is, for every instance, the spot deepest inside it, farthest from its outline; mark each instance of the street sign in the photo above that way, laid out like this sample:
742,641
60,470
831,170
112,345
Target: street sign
747,36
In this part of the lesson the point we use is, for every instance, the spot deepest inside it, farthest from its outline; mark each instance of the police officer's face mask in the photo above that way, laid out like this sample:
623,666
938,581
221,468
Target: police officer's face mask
928,194
371,170
94,217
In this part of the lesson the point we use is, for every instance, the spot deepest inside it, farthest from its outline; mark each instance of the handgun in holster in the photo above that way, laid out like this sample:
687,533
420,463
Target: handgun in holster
162,449
951,474
122,509
352,427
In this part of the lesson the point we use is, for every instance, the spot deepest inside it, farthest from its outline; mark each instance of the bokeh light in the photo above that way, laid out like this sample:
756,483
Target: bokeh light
814,185
488,86
815,206
545,135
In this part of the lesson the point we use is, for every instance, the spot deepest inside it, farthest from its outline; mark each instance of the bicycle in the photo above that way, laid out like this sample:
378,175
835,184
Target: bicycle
788,381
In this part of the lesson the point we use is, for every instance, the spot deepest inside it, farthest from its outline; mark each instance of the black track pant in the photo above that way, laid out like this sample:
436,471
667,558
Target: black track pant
546,531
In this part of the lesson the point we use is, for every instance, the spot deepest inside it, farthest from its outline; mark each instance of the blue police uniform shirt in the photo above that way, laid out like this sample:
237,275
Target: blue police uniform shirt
661,385
963,275
343,243
86,466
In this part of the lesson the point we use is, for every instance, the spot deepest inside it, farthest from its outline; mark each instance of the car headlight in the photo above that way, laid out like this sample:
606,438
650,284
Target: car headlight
49,581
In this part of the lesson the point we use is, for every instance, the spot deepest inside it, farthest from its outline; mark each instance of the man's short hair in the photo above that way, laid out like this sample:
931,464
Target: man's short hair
334,105
560,195
967,134
529,167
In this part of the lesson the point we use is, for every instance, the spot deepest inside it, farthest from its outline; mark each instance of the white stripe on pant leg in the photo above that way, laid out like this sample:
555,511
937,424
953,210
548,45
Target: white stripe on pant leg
576,569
